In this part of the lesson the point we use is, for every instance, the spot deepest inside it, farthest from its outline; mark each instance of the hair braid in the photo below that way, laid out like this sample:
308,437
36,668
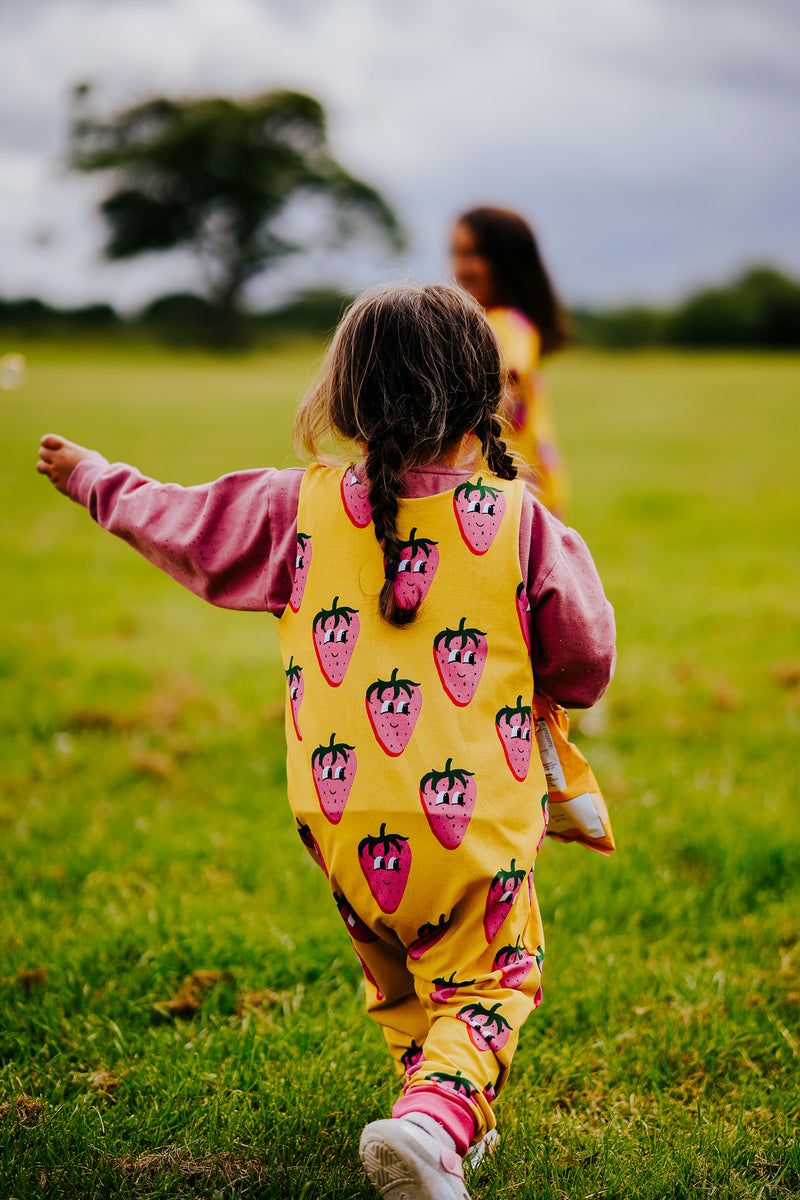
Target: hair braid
385,470
494,448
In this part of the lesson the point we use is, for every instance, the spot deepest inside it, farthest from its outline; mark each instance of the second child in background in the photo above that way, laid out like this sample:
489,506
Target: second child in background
496,259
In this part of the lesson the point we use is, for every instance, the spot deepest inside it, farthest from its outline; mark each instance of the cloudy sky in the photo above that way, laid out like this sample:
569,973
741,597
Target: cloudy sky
652,143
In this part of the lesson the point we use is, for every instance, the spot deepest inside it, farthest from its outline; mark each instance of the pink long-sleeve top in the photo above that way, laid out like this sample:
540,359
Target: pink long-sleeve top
233,542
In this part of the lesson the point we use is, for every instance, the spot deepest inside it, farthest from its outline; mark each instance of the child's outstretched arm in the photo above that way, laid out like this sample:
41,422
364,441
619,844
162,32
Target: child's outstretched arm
232,542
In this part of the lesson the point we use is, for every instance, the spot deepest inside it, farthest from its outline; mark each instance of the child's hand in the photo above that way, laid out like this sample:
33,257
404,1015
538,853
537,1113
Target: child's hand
58,458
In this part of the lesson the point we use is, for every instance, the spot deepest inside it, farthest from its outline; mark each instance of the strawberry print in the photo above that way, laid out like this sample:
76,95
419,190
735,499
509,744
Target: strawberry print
412,1057
297,686
393,707
546,815
515,963
428,935
457,1083
302,562
386,861
311,845
537,999
370,978
445,989
355,926
416,567
514,727
334,769
479,511
460,655
488,1030
502,894
355,497
336,631
524,614
448,798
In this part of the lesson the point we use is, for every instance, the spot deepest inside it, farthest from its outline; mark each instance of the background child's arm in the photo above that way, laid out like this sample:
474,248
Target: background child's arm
232,541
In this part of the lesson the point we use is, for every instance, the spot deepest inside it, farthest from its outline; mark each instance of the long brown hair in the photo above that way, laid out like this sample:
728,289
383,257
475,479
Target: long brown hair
409,372
519,277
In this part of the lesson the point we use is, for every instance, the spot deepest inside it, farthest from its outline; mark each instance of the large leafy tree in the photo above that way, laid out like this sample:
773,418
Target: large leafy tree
216,175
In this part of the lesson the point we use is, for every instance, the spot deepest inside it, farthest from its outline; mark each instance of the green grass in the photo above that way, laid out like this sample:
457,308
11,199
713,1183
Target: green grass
145,834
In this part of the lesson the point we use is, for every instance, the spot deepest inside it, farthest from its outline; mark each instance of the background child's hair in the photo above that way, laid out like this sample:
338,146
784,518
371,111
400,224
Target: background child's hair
519,277
409,372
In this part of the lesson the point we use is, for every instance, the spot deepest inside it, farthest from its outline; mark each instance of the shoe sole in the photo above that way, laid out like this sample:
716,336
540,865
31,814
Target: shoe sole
397,1165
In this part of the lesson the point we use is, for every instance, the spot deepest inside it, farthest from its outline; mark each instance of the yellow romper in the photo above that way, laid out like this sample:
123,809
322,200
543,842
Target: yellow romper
413,771
533,434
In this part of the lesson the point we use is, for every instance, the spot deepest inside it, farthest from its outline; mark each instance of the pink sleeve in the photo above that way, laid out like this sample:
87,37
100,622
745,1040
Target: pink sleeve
573,633
232,542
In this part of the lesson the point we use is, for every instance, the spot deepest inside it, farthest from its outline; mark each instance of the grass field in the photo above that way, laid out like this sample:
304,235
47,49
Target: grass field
180,1012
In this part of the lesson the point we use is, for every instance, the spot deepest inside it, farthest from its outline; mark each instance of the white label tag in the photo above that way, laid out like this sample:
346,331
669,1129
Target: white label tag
550,761
578,813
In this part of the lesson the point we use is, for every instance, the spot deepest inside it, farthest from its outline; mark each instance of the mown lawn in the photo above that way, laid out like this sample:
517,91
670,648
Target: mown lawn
180,1012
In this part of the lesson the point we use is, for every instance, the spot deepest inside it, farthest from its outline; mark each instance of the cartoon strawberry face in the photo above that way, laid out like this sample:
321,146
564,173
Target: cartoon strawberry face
502,894
334,769
524,613
514,727
393,707
355,926
370,978
336,631
479,511
460,655
416,567
457,1083
448,798
296,685
355,497
445,989
515,963
428,935
488,1029
311,845
412,1057
386,862
302,563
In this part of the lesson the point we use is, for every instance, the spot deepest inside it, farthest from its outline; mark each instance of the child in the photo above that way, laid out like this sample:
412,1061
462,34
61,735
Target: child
495,257
408,720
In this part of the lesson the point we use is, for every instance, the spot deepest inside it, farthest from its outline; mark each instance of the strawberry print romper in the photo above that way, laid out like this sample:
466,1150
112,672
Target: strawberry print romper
413,771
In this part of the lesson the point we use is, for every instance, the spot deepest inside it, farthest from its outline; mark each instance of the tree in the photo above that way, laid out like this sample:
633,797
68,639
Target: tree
215,175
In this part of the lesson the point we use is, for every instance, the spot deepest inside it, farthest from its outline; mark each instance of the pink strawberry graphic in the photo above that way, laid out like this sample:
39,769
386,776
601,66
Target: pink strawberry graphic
445,989
488,1030
302,563
393,707
311,845
515,963
334,769
416,567
355,497
546,815
502,894
355,926
412,1057
537,999
457,1083
524,613
514,726
460,655
369,976
386,861
336,631
479,511
428,935
448,798
296,685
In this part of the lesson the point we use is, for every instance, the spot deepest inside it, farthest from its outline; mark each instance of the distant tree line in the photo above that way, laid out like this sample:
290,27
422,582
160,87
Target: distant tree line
759,310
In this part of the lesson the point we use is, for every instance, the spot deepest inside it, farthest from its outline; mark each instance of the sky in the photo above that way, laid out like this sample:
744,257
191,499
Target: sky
652,144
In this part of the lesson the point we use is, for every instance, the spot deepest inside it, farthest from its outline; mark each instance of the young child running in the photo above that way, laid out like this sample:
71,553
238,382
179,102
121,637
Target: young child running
410,665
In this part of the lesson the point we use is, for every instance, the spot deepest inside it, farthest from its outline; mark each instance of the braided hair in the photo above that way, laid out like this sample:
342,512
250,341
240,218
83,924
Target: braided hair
409,372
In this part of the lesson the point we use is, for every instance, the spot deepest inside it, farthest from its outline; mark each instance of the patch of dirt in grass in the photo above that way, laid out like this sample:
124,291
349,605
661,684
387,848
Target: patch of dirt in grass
30,979
223,1168
24,1111
188,999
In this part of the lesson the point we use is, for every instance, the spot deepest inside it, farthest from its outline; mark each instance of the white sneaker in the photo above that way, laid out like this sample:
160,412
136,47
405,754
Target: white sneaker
487,1145
412,1158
